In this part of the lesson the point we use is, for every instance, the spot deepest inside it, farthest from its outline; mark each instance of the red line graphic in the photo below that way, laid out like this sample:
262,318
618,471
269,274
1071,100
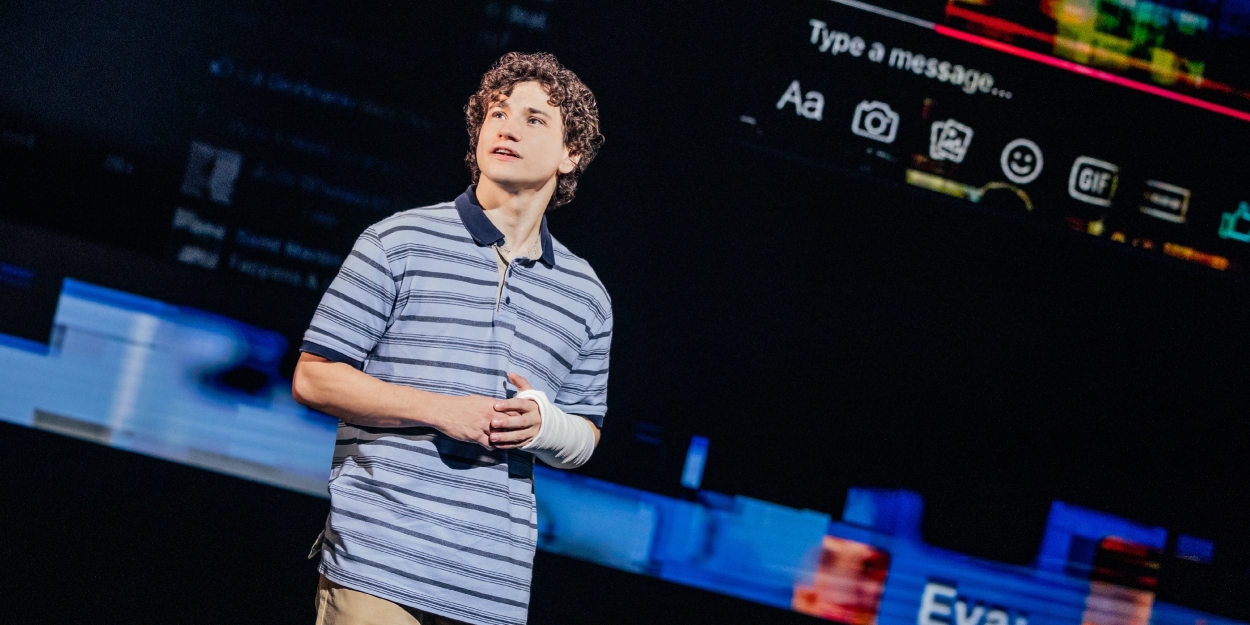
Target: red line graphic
1091,72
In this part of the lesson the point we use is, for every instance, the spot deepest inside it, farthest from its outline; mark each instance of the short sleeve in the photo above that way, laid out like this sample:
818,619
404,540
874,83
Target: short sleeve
356,309
585,390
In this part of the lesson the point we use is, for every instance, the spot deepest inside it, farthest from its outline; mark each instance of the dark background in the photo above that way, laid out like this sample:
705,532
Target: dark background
824,328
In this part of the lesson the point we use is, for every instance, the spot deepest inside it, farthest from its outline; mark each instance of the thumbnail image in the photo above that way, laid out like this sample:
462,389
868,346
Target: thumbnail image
211,173
848,583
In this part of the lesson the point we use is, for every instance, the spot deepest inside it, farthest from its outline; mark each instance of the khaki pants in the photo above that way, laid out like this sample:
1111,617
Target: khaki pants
339,605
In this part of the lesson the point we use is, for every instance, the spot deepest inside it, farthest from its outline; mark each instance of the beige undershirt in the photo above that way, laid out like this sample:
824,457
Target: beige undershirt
501,251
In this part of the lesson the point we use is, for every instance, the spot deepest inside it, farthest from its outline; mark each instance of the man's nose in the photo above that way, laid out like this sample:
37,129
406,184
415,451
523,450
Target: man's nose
509,130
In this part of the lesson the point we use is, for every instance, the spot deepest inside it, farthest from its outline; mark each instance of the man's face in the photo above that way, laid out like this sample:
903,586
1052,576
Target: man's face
521,145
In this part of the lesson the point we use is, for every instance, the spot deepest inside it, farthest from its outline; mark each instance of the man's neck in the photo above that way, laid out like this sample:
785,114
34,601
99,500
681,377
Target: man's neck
518,215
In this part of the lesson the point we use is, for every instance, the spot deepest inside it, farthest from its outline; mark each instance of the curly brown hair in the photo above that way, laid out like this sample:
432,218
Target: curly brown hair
577,104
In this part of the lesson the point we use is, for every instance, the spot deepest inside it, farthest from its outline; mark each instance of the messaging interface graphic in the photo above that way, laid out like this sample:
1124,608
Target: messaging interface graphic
1125,121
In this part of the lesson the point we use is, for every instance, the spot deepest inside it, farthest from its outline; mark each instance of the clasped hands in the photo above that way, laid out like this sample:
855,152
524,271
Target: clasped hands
493,423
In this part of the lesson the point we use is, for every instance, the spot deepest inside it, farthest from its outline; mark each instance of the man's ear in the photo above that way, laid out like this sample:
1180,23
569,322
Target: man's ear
569,163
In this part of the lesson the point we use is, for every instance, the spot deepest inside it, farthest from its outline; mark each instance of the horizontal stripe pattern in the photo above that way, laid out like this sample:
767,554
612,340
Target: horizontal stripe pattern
416,517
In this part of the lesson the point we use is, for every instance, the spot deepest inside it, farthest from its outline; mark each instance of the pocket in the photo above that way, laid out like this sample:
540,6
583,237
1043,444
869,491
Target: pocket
316,547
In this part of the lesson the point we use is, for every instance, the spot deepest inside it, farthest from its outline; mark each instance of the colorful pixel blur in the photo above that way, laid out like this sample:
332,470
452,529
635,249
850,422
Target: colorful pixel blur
201,389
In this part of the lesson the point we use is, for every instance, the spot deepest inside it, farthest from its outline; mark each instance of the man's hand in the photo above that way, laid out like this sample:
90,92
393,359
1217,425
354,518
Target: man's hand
516,421
361,399
468,419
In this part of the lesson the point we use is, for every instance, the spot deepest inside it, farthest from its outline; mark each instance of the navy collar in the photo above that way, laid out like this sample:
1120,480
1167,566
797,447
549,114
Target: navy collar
485,233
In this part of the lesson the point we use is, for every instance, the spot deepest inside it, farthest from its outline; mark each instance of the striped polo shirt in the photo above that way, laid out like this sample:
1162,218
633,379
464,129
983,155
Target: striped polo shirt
416,517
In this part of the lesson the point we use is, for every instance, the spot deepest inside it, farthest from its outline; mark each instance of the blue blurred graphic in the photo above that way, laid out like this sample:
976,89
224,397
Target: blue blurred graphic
167,381
696,459
204,390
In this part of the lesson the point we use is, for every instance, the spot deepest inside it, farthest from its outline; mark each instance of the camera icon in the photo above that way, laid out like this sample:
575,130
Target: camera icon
875,120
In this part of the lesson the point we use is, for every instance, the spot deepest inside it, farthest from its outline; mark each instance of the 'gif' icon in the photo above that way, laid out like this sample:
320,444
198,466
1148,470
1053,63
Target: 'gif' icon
1093,181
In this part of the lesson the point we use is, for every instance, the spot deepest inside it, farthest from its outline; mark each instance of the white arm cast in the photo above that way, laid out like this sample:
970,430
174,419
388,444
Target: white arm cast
564,441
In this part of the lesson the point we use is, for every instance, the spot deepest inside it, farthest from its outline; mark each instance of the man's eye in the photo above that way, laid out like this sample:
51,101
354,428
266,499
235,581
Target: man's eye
535,119
497,114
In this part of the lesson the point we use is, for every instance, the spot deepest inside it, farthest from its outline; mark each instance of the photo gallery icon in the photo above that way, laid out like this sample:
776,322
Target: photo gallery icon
875,120
949,141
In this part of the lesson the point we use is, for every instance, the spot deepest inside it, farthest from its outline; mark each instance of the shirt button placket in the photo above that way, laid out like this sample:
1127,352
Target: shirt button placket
506,317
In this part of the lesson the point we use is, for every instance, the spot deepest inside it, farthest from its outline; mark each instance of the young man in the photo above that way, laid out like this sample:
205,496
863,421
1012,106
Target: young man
458,342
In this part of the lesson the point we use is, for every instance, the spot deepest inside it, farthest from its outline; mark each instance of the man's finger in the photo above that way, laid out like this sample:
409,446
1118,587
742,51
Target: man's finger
516,445
510,423
510,437
516,405
519,381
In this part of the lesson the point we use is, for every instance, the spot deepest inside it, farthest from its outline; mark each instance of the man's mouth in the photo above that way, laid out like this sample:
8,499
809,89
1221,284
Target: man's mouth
505,152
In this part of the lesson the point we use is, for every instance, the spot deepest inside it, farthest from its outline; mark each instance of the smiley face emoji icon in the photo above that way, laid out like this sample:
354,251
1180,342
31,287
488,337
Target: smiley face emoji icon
1021,161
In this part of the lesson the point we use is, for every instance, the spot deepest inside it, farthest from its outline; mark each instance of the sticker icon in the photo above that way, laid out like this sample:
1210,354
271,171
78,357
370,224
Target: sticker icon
1021,161
1093,181
1165,201
1236,225
875,120
949,141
